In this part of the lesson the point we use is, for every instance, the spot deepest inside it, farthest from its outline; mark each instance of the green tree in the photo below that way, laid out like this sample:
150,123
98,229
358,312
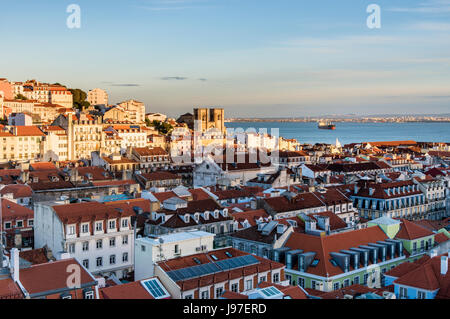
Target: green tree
21,97
163,128
79,98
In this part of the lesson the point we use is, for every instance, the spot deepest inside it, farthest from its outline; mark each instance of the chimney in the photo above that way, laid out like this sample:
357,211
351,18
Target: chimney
15,264
444,265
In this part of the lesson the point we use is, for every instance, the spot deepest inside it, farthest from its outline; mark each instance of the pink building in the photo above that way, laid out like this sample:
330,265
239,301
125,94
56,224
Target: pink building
7,89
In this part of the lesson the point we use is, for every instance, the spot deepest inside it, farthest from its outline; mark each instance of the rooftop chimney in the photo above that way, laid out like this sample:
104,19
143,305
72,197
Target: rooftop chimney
15,264
444,265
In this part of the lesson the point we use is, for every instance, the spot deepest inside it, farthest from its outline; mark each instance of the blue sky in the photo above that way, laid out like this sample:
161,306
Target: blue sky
255,58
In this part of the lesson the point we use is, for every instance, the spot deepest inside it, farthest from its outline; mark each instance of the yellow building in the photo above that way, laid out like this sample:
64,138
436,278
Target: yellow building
20,143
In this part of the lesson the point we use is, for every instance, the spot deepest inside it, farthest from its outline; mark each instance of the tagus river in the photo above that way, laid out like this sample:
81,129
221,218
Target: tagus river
348,132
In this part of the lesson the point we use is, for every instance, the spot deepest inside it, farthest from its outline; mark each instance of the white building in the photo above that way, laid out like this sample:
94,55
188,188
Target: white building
151,250
97,97
98,235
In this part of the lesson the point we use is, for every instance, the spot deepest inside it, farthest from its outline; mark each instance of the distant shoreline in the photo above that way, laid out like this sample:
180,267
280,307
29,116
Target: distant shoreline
335,121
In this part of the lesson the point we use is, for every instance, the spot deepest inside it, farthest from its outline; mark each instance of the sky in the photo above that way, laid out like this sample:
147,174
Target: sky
255,58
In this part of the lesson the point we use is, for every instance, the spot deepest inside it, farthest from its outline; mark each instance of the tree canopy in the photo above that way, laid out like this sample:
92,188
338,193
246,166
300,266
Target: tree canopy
79,98
163,128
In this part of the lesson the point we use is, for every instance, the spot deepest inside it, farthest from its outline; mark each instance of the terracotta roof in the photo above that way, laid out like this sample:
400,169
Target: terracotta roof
324,245
35,256
18,190
440,238
29,131
251,216
132,290
88,211
41,166
147,151
410,230
427,276
233,295
50,276
12,211
9,289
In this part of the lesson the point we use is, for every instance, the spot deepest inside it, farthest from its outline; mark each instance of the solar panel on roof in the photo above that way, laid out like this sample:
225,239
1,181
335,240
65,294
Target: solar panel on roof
210,268
154,287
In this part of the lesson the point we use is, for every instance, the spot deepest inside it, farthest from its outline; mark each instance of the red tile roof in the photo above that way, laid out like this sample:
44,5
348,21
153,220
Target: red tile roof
18,190
51,276
88,211
9,289
427,276
410,230
29,131
324,245
132,290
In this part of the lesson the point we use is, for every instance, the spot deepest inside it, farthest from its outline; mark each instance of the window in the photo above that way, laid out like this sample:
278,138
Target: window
313,284
124,223
249,284
125,257
112,259
85,246
219,292
112,224
262,279
30,222
301,282
403,293
177,249
346,282
356,280
125,240
276,277
205,294
86,263
421,295
366,277
8,225
99,244
112,242
71,248
88,294
336,286
71,230
188,297
85,228
234,287
99,262
142,248
99,226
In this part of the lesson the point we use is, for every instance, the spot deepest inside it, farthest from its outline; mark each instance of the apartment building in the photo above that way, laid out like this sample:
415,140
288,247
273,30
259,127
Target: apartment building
151,250
150,158
97,97
84,133
98,235
130,135
209,274
135,110
403,199
20,143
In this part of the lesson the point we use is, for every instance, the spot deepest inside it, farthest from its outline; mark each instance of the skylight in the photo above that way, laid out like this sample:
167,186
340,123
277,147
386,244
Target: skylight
154,287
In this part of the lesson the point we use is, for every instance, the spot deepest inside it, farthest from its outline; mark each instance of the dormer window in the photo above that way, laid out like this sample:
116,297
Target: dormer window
216,214
71,230
197,217
99,226
186,218
85,228
225,212
124,223
206,214
112,224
